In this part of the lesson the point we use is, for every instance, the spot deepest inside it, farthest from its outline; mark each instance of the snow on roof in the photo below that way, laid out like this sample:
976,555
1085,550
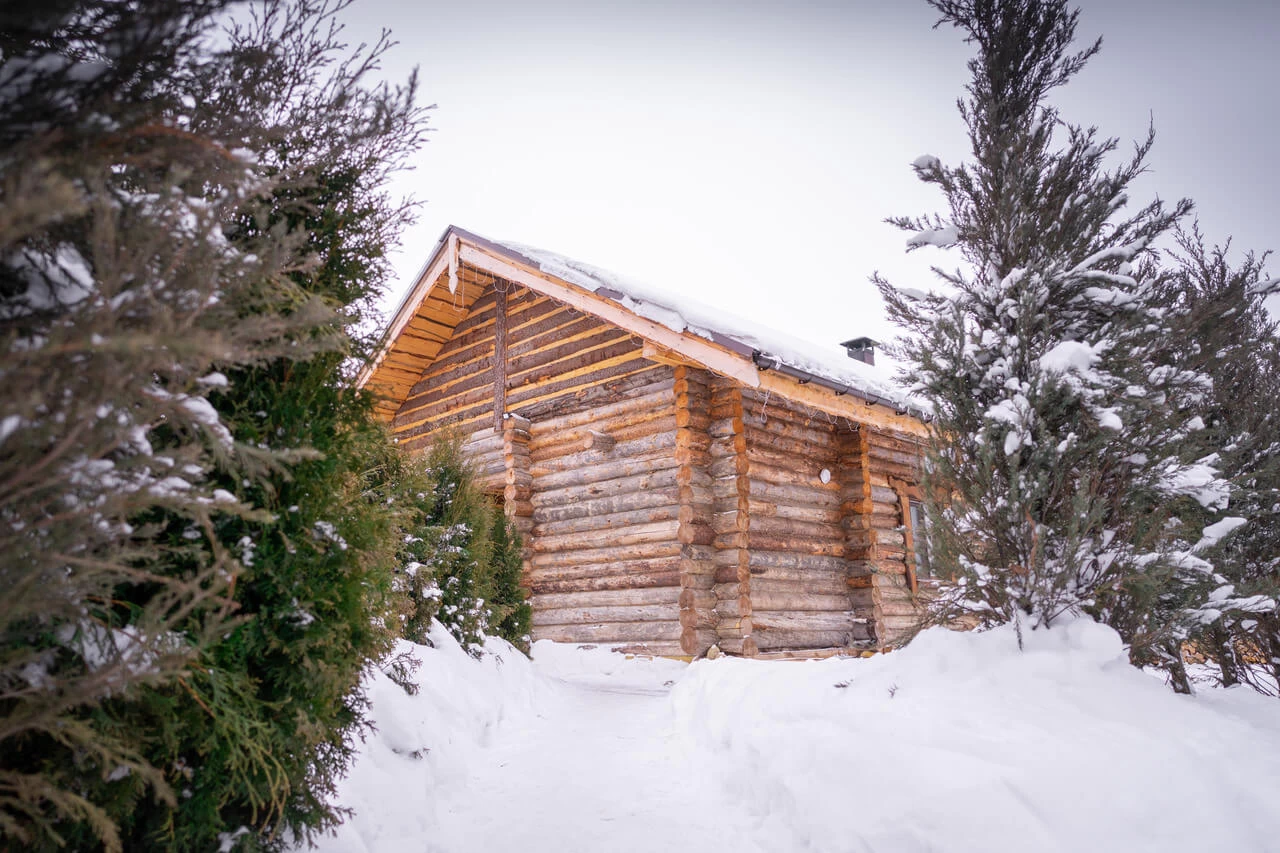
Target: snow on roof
682,314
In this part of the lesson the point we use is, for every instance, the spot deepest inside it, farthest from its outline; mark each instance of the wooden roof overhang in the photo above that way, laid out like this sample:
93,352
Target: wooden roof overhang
463,263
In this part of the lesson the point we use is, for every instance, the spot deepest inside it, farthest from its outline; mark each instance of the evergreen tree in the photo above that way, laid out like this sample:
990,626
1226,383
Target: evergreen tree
119,295
1060,430
463,559
198,620
511,615
1224,330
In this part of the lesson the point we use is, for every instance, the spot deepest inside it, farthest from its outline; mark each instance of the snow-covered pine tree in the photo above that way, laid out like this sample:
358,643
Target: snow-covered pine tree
463,558
120,295
1058,430
1223,329
200,517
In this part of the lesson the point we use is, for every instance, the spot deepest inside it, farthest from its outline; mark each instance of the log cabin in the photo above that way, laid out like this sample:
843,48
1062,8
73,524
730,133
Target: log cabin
681,478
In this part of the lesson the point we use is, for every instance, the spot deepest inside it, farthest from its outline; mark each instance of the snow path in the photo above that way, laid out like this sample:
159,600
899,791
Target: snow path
598,767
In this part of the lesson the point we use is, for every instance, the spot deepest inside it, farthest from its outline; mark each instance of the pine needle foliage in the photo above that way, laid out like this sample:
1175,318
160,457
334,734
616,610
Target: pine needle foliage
1224,329
464,559
1060,426
200,518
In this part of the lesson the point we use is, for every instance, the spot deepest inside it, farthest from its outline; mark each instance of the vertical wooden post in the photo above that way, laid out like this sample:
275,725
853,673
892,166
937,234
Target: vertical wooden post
731,523
697,556
861,546
500,355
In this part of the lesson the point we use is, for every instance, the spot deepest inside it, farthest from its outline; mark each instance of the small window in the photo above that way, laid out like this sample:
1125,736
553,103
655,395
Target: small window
920,540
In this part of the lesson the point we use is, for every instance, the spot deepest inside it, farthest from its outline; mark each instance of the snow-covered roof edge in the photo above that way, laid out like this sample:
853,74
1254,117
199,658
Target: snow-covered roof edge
769,349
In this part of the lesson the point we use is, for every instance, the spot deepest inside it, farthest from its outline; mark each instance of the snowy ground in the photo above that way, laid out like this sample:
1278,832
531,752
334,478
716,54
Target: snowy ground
959,743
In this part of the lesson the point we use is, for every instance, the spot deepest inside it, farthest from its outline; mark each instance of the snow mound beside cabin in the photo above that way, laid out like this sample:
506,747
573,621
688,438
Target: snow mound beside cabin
423,746
962,743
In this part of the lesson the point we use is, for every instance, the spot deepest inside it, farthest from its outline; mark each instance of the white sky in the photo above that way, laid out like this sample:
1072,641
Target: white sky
747,152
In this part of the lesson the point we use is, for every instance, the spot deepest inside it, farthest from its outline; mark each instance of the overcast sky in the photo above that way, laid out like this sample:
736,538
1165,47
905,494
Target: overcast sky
746,153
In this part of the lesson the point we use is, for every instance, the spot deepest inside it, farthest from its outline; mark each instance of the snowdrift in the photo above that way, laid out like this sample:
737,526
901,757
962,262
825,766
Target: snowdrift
422,745
958,743
962,743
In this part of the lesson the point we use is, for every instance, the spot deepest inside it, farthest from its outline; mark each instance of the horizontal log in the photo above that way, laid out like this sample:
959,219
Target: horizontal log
560,393
772,493
622,428
533,368
655,649
654,393
799,474
902,444
644,498
728,467
897,628
765,598
895,606
590,398
812,459
607,554
797,512
698,553
810,620
613,613
737,628
643,565
692,617
782,562
635,534
743,647
668,595
662,480
907,460
801,545
609,521
733,589
482,442
652,580
643,446
697,599
768,429
660,457
800,639
612,632
825,584
773,526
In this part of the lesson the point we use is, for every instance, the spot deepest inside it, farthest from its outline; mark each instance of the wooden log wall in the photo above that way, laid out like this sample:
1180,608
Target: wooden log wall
799,573
608,521
552,351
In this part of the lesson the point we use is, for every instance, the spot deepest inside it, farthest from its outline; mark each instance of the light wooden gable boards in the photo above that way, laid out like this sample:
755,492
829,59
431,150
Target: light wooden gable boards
430,312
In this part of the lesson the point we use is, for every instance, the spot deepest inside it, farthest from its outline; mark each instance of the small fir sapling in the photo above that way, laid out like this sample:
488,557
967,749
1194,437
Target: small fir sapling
463,559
